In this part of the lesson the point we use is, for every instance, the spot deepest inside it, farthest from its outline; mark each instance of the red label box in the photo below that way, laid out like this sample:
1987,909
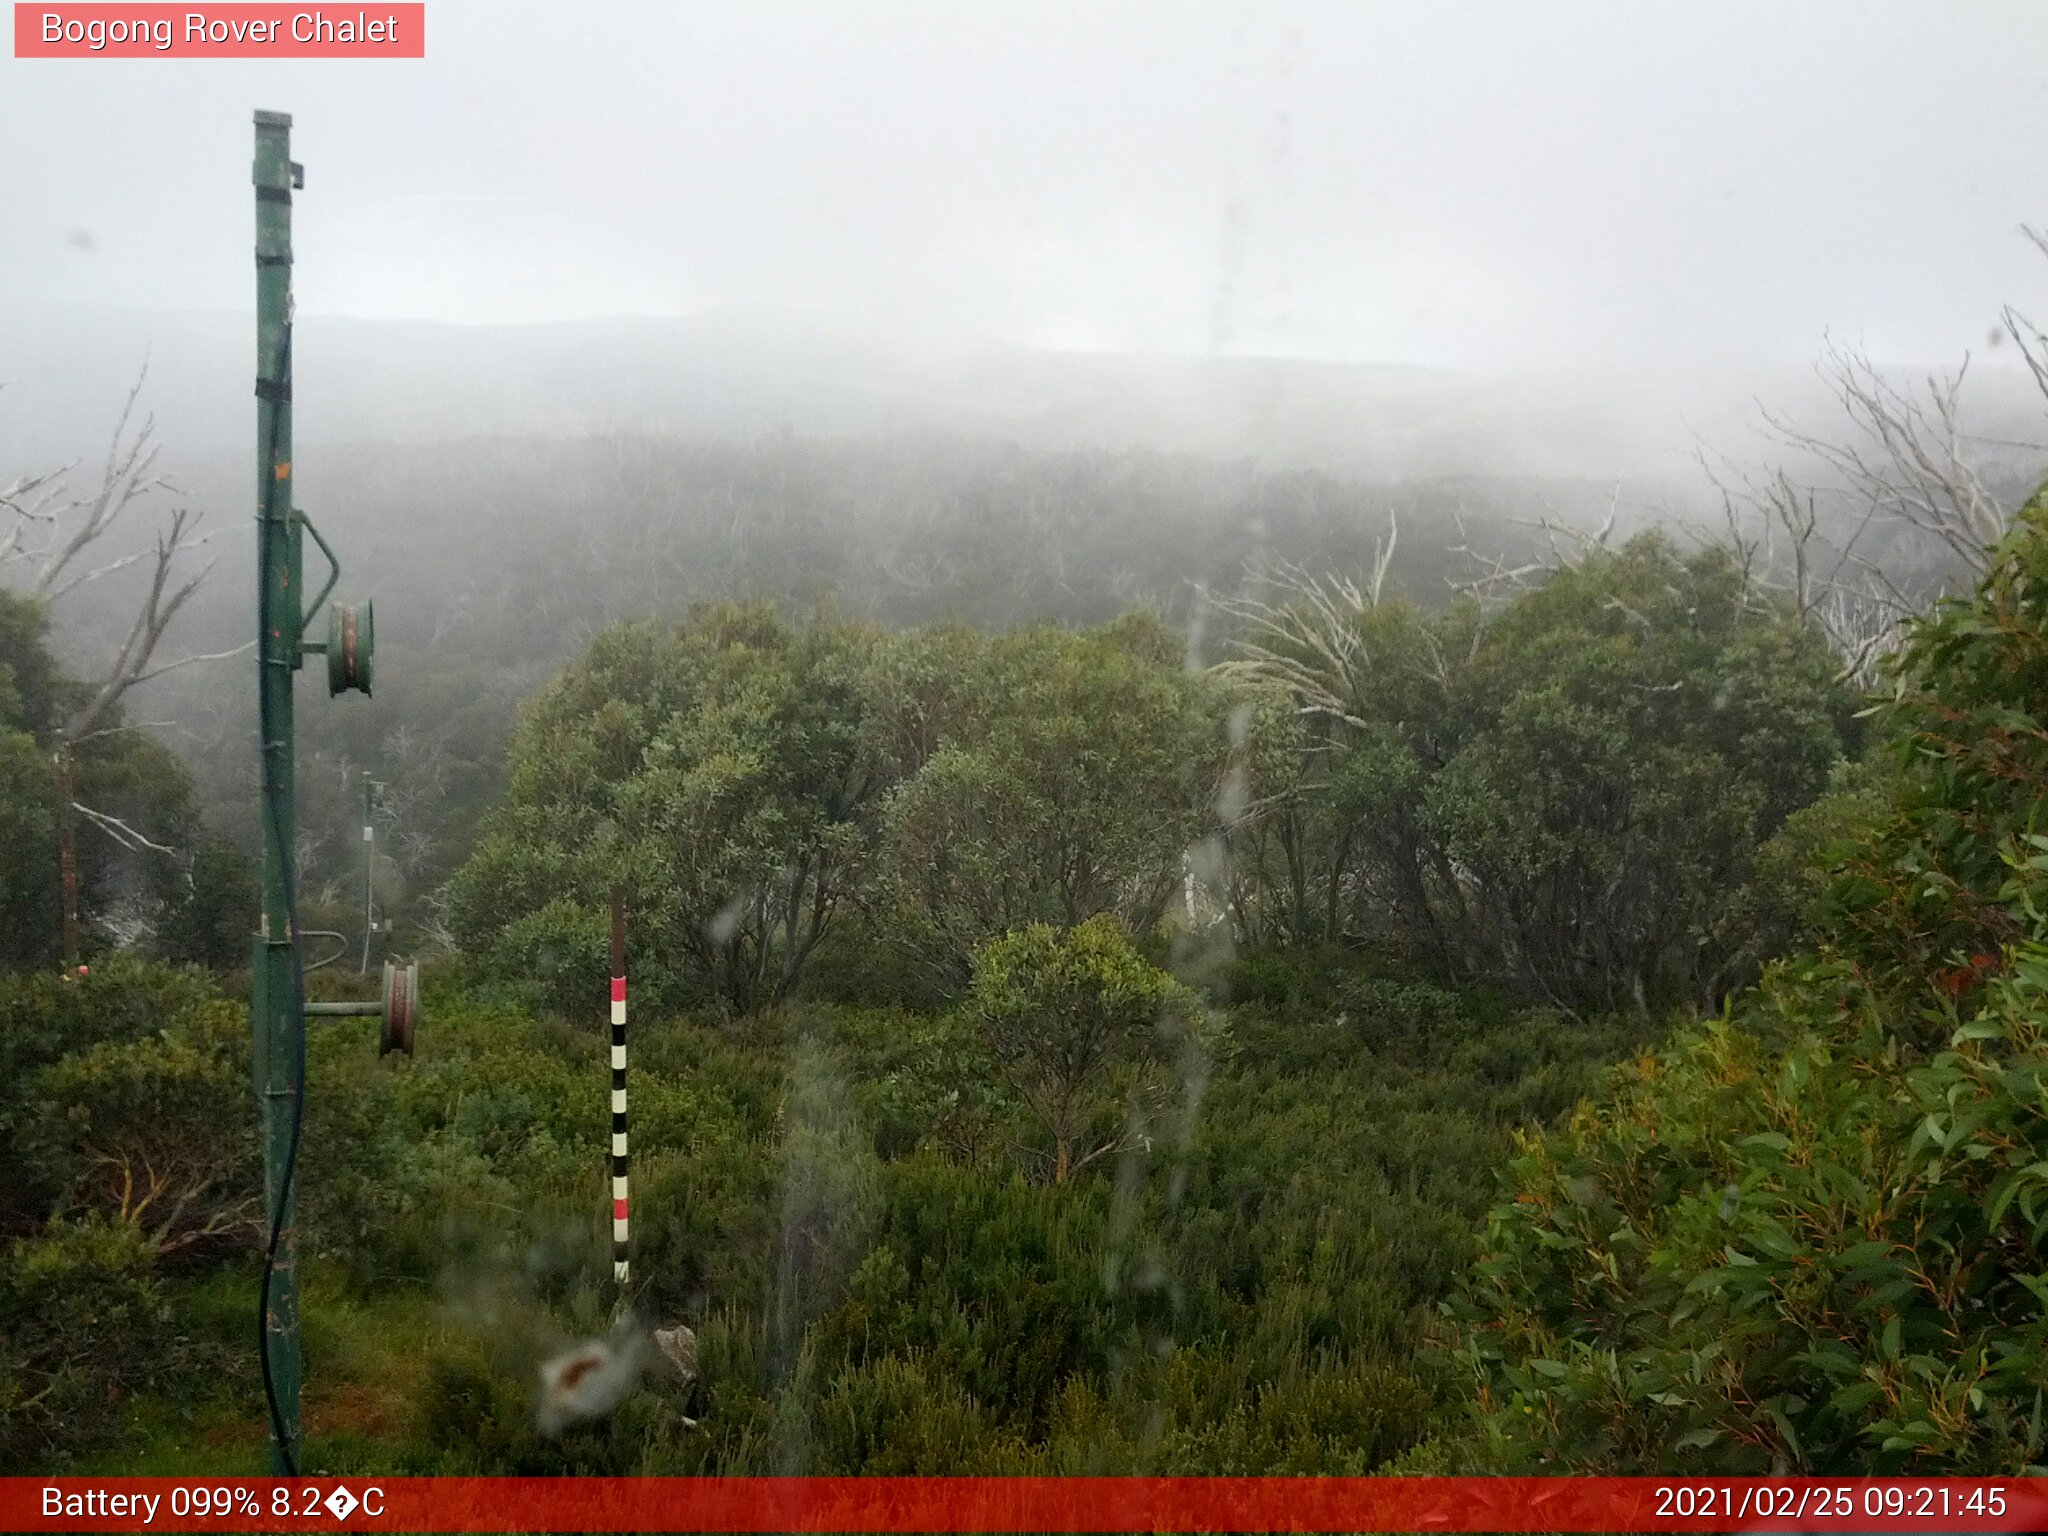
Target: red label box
242,31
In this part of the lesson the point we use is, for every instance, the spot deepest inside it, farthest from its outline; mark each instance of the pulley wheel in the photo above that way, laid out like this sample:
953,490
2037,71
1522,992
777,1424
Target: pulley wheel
401,1008
351,646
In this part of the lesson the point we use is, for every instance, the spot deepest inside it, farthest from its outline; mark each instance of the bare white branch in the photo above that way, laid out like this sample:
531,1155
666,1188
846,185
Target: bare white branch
120,831
192,661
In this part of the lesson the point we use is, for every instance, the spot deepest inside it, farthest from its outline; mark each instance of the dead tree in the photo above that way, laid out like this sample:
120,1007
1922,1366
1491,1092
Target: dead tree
1907,459
1910,463
56,533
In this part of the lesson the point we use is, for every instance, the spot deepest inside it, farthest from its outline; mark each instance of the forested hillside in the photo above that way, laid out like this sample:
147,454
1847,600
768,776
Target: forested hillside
493,561
1056,1049
1137,964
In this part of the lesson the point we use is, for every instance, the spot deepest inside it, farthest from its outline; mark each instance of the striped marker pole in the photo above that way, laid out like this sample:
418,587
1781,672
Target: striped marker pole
619,1249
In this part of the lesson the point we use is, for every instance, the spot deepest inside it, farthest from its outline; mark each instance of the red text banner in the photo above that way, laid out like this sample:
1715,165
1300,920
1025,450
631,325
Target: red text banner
240,31
1020,1504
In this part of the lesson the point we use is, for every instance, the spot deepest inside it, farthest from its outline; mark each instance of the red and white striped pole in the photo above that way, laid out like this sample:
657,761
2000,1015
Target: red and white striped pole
619,1250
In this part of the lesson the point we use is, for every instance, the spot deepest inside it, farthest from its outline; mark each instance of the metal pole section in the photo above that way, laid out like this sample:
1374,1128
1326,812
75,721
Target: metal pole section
276,1017
620,1251
369,867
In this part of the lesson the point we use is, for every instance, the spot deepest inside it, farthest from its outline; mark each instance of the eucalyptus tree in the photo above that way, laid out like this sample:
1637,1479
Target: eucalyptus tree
718,772
1071,784
1093,1038
1567,794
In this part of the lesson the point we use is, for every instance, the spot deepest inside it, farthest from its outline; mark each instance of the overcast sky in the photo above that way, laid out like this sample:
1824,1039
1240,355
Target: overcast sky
1514,185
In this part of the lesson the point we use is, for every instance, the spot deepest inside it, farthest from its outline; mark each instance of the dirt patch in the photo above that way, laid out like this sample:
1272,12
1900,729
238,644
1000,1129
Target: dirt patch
354,1409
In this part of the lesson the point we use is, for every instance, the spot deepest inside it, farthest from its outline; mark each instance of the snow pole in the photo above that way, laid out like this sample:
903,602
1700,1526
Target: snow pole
620,1261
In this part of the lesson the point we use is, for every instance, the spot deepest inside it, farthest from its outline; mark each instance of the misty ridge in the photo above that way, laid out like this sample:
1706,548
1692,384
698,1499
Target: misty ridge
583,414
505,492
739,370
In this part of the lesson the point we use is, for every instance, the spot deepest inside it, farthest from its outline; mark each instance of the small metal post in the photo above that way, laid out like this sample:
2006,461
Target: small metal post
370,788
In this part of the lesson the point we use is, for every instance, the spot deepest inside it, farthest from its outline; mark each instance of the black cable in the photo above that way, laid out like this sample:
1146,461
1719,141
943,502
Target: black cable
291,919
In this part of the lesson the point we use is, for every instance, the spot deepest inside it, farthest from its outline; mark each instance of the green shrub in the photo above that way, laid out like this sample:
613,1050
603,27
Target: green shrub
899,1416
927,1079
140,1017
84,1324
1092,1037
1806,1236
158,1132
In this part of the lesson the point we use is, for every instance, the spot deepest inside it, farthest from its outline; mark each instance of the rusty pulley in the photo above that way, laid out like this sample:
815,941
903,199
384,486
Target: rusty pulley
351,646
398,1011
401,1008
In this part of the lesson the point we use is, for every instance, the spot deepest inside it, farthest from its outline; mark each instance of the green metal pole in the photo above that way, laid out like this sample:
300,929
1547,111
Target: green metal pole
277,1018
